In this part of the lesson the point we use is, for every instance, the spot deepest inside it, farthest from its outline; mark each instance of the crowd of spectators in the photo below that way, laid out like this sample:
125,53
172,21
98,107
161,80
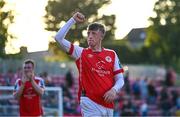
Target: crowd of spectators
149,97
139,97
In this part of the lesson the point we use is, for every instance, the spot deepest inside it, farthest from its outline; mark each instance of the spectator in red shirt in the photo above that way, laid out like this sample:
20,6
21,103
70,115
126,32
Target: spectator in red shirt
28,90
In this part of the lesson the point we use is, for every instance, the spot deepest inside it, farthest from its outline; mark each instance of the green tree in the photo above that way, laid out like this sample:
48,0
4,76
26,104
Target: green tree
6,18
59,11
57,54
163,35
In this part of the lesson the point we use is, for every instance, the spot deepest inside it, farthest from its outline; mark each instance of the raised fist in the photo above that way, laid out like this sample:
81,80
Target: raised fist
79,17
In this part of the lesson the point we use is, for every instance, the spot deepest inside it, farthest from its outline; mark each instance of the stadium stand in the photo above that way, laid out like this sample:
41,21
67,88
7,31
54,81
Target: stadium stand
130,102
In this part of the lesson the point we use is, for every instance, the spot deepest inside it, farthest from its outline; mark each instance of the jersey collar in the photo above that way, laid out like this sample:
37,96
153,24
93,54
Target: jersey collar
96,51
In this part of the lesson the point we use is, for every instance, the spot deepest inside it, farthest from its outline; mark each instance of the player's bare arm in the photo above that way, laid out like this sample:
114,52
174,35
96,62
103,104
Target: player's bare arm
17,94
36,87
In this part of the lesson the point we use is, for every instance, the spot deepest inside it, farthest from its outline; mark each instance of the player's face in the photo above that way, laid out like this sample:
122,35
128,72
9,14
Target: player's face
28,69
94,38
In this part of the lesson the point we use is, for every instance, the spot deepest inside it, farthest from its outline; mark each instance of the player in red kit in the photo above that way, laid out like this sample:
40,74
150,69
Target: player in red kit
28,90
100,71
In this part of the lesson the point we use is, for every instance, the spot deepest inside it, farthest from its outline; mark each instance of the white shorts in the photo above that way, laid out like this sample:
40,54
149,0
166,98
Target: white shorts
89,108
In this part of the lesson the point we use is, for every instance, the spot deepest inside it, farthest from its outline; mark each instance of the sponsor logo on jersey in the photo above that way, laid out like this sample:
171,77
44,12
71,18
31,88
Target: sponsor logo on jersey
100,69
100,64
100,72
29,93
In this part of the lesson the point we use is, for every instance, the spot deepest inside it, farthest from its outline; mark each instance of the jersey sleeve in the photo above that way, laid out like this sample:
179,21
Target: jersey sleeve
117,66
41,83
118,74
73,50
17,85
64,30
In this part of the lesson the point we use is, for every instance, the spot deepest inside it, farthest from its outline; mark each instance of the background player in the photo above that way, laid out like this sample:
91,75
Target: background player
29,90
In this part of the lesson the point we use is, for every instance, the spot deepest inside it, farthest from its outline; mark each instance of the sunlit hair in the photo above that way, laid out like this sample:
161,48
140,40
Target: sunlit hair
29,61
97,26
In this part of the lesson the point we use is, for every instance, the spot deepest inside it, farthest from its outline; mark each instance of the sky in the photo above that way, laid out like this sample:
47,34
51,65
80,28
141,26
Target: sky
29,26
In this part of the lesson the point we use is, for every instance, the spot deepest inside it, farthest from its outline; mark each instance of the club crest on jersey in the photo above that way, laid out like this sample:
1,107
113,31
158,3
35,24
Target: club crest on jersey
90,55
108,59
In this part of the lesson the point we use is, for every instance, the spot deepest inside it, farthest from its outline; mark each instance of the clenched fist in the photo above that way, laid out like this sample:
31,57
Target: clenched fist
79,17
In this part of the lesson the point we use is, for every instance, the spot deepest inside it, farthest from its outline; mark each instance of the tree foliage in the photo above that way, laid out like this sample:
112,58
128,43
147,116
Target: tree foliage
5,19
57,54
59,11
162,43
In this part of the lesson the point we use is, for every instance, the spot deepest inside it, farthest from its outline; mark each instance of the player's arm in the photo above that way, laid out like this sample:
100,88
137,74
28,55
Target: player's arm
118,74
60,36
67,46
18,89
119,81
39,88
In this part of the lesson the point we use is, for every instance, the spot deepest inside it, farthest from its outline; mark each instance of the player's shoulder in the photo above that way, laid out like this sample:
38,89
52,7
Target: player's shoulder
87,50
38,78
18,80
109,50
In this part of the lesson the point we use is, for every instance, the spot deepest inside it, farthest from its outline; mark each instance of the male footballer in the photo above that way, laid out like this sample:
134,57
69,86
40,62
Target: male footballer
100,71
